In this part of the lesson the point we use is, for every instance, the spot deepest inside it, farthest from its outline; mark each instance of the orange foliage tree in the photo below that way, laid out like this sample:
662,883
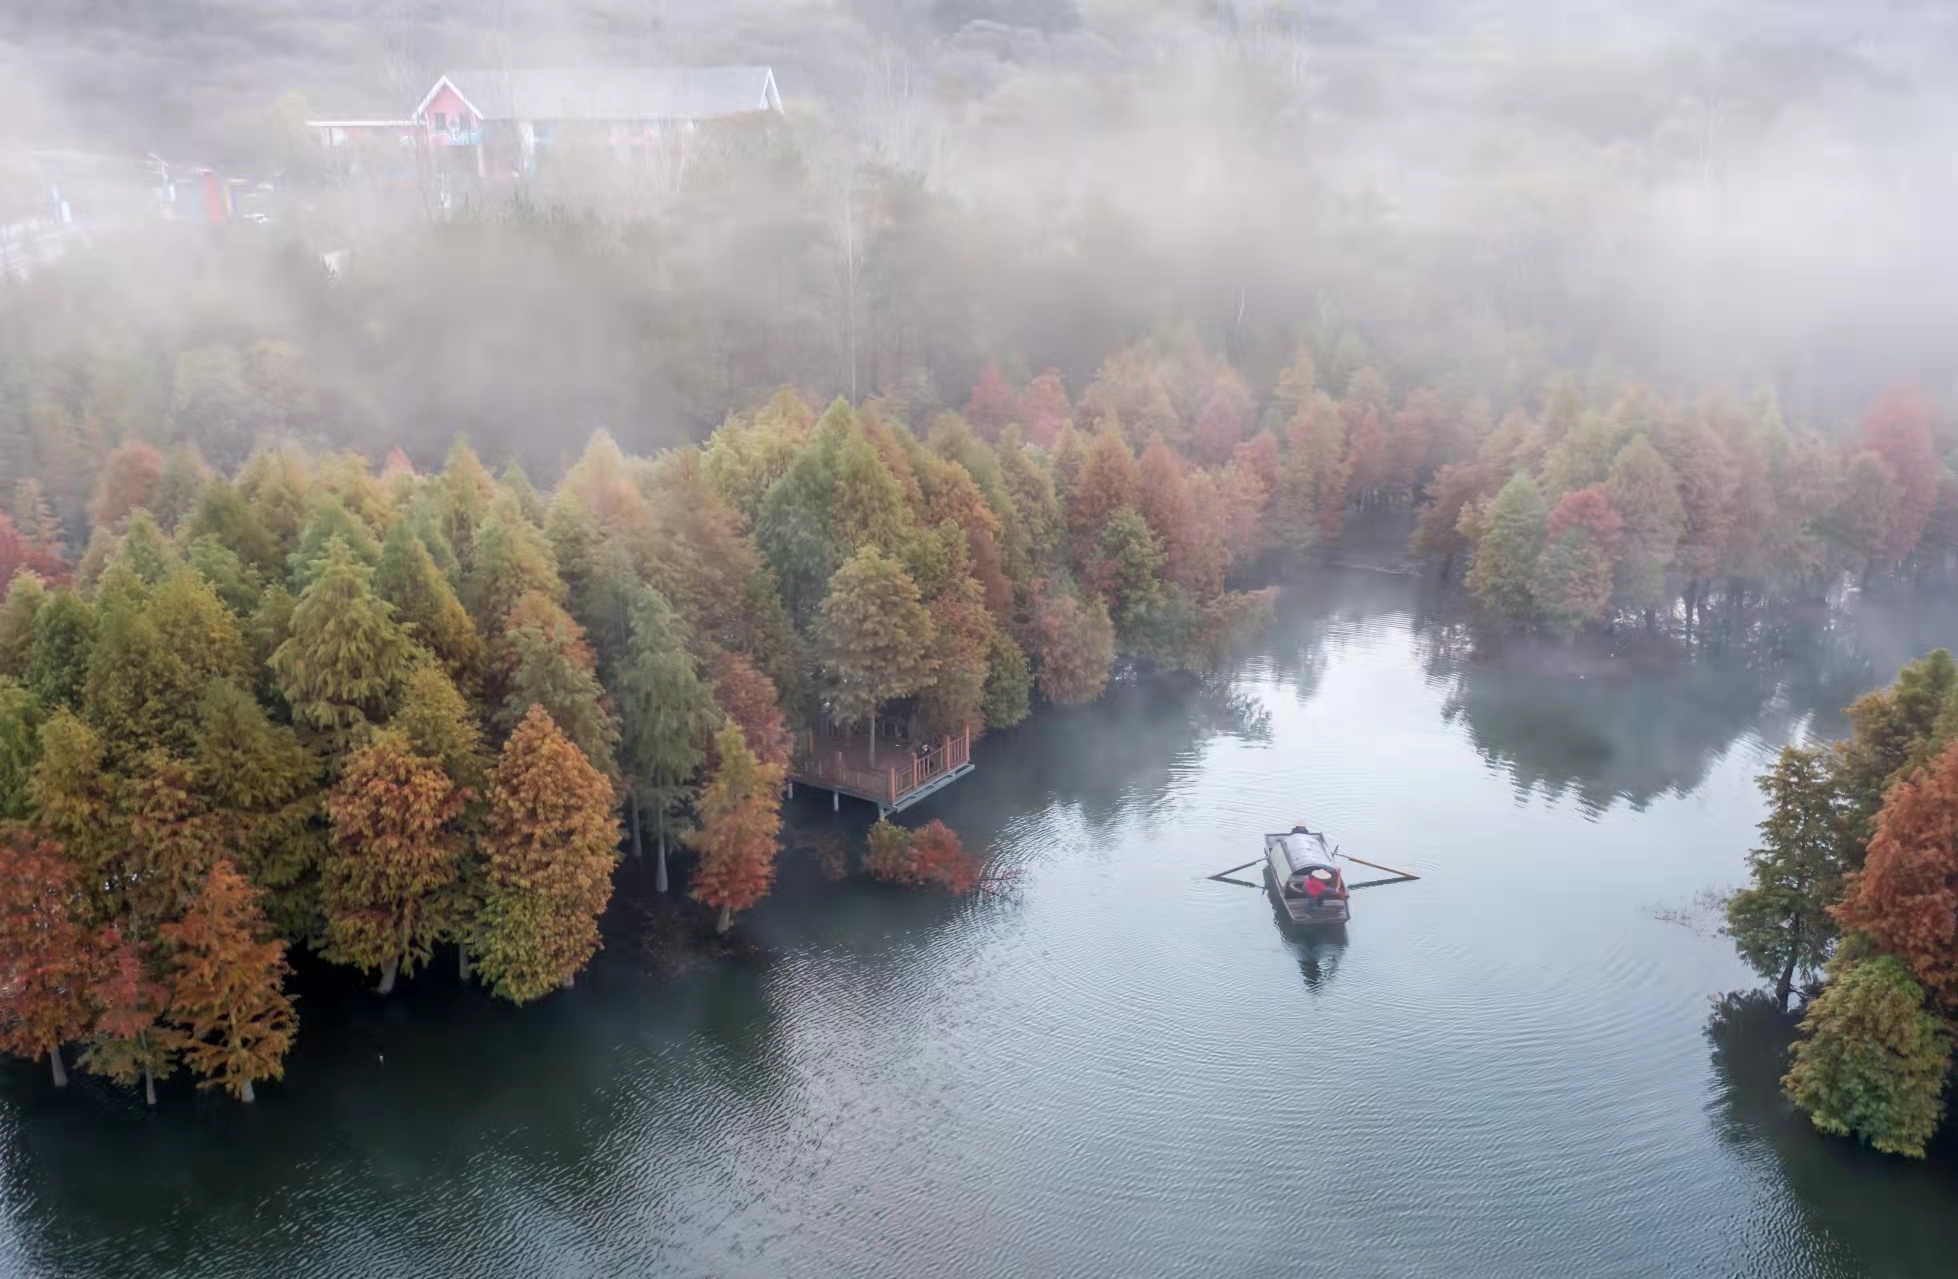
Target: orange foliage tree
226,975
740,819
45,950
129,481
1074,645
549,844
394,852
1906,894
1163,494
1106,484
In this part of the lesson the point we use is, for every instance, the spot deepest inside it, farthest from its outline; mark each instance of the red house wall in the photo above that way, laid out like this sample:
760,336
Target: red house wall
449,104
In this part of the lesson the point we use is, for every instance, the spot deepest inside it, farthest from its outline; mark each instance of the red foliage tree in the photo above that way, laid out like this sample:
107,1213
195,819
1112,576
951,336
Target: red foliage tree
1223,416
1897,428
1044,409
1906,894
1364,410
931,854
20,553
1163,494
994,404
740,820
226,976
46,953
130,1041
749,699
1587,510
1074,645
1259,456
130,476
1410,439
1106,484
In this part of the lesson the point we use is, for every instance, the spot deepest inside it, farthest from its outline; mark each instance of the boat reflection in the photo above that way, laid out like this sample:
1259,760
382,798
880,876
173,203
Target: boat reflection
1319,950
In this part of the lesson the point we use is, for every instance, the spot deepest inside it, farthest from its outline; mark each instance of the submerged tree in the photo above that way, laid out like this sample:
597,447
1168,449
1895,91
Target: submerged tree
394,854
549,844
665,714
46,953
1074,646
740,820
931,854
1513,529
130,1040
226,976
1871,1061
1780,922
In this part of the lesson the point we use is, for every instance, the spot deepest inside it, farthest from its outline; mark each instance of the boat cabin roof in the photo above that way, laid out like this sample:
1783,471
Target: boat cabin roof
1302,849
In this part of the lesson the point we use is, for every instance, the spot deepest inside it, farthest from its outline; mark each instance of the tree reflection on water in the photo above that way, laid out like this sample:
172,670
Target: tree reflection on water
1841,1204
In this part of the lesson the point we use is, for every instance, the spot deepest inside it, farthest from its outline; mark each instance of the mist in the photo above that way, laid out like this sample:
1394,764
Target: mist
1474,196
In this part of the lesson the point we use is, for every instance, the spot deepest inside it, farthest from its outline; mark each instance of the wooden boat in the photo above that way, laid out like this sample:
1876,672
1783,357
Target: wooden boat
1304,879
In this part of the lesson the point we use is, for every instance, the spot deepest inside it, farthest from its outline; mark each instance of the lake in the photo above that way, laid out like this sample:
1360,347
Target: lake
1514,1066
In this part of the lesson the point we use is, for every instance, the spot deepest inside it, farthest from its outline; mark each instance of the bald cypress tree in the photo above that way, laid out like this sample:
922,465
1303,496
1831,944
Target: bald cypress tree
394,854
549,844
345,656
46,952
225,975
665,715
876,639
427,607
1514,529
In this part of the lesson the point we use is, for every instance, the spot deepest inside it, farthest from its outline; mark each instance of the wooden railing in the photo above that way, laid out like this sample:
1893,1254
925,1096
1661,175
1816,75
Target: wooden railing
815,763
827,768
922,770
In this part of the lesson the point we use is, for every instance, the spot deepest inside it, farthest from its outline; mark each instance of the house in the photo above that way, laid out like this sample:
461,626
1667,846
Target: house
503,121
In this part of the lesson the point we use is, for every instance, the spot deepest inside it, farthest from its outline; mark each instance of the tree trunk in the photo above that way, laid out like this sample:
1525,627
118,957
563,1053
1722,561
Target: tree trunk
247,1095
54,1064
1651,621
1782,987
149,1085
727,920
388,973
873,741
659,875
637,823
568,982
462,962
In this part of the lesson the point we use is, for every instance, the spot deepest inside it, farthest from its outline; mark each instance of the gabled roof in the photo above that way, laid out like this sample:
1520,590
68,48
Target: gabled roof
612,93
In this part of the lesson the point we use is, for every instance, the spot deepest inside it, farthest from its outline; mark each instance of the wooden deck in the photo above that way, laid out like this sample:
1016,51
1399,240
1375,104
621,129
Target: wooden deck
902,776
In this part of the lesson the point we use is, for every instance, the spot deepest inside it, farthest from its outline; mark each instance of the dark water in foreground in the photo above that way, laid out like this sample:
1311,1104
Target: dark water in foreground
1509,1068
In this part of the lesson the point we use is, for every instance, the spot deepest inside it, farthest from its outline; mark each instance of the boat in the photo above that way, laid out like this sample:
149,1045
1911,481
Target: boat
1303,876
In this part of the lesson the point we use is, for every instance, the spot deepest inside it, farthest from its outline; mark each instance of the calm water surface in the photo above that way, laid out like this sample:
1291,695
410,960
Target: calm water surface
1513,1067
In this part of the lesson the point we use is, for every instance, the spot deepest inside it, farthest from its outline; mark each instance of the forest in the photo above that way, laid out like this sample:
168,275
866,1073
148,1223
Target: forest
312,704
1023,353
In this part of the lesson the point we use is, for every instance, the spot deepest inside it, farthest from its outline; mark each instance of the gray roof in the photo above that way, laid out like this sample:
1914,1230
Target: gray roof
618,93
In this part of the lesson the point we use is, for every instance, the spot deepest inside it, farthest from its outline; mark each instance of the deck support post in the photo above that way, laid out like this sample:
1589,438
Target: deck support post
836,801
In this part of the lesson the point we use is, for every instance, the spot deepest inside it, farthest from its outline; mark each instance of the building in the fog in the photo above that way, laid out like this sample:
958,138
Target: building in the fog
508,123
